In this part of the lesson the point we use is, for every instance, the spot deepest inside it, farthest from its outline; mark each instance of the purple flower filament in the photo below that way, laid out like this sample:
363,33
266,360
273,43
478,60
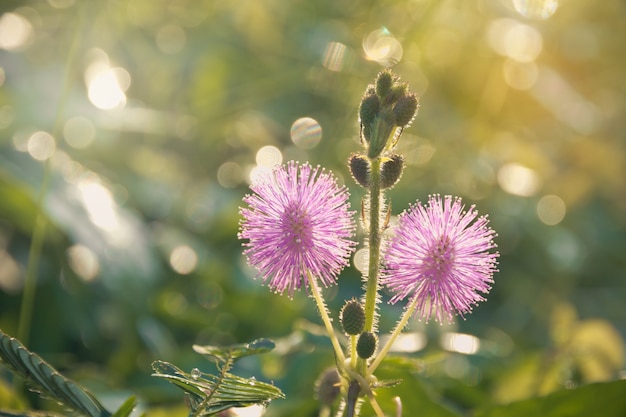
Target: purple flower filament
297,221
441,258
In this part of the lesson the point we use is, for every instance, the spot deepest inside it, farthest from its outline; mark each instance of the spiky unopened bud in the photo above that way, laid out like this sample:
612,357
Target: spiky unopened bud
391,170
327,386
370,105
384,82
397,92
405,109
360,169
352,317
366,345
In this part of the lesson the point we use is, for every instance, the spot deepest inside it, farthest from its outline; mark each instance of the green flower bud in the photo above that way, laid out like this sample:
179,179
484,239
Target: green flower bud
384,82
366,345
397,92
352,317
405,109
327,386
391,170
360,169
370,105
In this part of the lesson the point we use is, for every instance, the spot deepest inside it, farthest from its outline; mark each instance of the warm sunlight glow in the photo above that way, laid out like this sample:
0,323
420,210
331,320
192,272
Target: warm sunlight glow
536,9
269,156
460,342
519,180
183,259
409,343
99,204
381,46
252,411
515,40
83,262
41,145
106,85
15,31
361,260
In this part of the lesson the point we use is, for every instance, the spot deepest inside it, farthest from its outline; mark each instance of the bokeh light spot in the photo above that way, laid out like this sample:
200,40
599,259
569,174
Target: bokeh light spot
460,342
41,145
79,132
518,180
15,31
83,262
334,56
551,209
229,174
536,9
361,260
99,203
381,46
11,277
306,133
183,259
409,343
269,156
515,40
106,86
520,75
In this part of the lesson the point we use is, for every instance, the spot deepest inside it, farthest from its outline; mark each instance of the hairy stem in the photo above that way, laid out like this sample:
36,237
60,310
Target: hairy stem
326,319
371,293
396,332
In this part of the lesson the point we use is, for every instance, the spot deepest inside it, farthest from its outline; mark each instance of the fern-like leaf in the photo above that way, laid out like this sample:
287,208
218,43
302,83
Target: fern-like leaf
45,379
209,394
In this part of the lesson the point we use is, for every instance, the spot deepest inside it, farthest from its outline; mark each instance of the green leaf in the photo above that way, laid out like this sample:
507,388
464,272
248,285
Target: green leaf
126,408
209,394
5,413
601,399
234,352
47,380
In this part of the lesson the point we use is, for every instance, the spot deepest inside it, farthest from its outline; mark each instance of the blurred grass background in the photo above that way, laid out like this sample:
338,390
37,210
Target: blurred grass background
138,126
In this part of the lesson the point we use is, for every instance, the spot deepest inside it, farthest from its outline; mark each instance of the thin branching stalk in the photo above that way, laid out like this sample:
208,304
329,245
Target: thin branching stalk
326,319
408,312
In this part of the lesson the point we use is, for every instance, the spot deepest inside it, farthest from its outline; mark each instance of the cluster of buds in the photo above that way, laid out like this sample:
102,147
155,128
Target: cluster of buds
386,109
353,322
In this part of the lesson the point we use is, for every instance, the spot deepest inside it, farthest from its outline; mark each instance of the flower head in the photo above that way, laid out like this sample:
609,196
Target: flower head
297,222
441,258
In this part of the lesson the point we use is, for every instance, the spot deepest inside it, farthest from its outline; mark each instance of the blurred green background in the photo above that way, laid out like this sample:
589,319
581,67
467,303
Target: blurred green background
136,127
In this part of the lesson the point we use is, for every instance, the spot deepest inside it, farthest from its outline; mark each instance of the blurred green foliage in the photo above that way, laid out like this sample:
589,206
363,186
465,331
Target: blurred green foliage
137,124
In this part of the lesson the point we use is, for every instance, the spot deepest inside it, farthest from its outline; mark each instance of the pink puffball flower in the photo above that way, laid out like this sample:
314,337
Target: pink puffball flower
441,257
297,222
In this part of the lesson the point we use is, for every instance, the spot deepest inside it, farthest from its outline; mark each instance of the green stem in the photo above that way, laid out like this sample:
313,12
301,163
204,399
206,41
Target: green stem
34,253
396,332
326,319
39,227
371,293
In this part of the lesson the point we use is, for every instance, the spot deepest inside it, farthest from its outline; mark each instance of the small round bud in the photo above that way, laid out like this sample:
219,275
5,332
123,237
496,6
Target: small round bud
327,386
405,109
352,317
391,171
366,345
397,92
368,109
384,82
360,169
